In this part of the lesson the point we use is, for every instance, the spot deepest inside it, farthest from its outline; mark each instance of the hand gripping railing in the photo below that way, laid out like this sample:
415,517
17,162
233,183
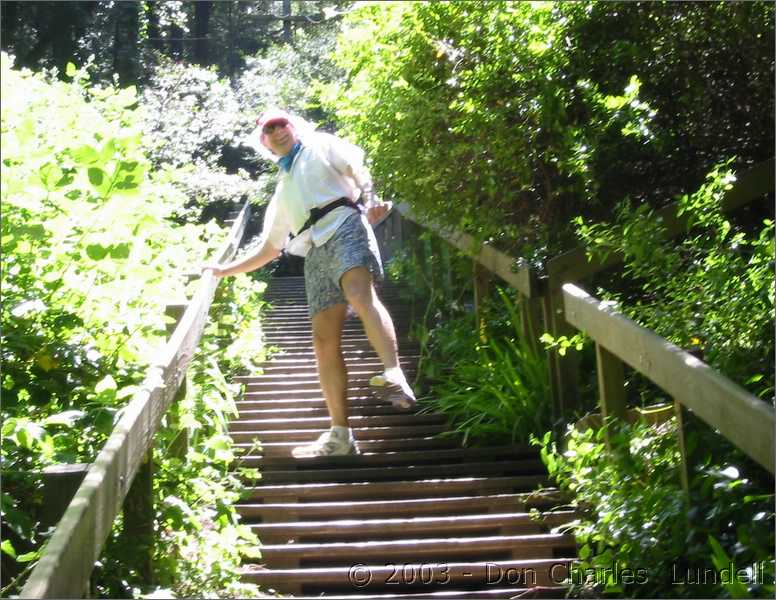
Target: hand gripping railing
68,559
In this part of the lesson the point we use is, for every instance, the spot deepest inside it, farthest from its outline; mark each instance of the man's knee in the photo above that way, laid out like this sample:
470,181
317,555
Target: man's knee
327,329
358,290
327,341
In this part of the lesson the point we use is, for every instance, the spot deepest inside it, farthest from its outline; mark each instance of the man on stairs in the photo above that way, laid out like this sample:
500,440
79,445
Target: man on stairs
320,179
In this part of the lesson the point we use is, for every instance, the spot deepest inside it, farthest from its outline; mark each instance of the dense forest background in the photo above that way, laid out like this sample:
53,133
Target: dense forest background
533,126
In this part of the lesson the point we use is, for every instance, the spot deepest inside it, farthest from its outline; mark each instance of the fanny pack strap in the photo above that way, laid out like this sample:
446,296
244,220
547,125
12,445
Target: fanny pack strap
316,214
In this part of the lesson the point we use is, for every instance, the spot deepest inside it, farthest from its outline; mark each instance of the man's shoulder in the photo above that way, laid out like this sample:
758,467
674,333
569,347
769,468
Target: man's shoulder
321,139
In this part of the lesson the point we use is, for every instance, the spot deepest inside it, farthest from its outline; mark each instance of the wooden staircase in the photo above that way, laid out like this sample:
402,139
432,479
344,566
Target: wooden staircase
415,515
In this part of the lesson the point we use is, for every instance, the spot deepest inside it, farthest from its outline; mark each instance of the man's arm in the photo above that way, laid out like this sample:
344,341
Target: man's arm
376,209
266,253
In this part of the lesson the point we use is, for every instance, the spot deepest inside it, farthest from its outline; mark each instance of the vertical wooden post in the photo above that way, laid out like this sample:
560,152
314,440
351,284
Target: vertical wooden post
138,504
530,317
611,385
138,509
481,279
180,445
681,440
60,483
447,277
563,369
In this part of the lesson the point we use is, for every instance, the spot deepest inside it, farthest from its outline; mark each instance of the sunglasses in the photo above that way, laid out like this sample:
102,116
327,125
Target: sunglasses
270,127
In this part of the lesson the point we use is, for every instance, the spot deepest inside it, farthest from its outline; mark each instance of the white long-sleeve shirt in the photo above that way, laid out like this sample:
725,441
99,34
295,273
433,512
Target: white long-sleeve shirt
325,168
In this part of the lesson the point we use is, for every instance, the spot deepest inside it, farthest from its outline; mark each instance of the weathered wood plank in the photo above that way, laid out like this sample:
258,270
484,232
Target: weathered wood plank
575,265
506,267
481,284
611,383
564,379
738,415
67,562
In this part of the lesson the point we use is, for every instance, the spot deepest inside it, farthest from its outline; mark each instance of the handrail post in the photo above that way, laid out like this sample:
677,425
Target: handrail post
139,503
530,320
138,509
681,441
60,483
563,369
611,386
481,280
180,445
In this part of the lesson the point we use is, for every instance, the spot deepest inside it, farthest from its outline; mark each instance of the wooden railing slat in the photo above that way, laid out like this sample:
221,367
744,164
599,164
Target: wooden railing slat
499,263
576,265
67,561
742,418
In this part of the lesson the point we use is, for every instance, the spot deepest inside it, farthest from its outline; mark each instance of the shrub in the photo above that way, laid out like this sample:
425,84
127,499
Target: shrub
90,258
507,119
494,390
634,515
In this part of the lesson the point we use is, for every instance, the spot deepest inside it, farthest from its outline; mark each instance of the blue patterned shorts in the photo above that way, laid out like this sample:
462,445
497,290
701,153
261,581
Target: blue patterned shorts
352,245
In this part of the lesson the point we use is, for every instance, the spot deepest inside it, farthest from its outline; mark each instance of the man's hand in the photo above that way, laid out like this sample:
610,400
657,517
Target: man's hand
376,213
217,270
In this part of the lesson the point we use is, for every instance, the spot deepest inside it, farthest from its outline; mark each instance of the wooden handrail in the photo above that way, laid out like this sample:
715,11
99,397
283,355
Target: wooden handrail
68,559
742,418
576,265
509,268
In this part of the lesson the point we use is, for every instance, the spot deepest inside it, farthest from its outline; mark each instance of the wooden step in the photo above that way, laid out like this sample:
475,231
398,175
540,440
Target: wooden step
432,505
360,390
394,473
258,410
283,449
442,456
523,573
362,433
246,423
380,528
410,549
396,489
355,403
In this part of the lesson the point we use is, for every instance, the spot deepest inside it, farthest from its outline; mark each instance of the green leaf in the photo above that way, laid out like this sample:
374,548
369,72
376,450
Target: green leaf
67,418
120,251
70,69
96,251
8,548
96,176
106,384
28,556
85,155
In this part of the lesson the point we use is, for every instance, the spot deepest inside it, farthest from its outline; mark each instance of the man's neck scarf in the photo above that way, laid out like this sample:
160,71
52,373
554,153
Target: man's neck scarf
286,161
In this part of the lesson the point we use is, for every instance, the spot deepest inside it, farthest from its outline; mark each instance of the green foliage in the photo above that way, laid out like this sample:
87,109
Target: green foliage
710,292
494,390
287,76
506,119
190,113
634,514
191,118
91,257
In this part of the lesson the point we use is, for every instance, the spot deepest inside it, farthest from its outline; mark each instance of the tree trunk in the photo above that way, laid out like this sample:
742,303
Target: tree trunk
154,31
287,22
202,12
125,50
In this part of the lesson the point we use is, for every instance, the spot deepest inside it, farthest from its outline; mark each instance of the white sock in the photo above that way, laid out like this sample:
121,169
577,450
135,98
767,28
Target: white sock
342,433
395,374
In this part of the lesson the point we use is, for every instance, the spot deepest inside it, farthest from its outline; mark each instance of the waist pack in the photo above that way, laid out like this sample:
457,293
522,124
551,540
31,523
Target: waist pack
316,214
300,244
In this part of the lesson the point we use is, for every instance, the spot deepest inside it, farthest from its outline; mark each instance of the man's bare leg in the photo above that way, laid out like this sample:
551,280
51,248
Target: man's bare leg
332,374
360,292
391,386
